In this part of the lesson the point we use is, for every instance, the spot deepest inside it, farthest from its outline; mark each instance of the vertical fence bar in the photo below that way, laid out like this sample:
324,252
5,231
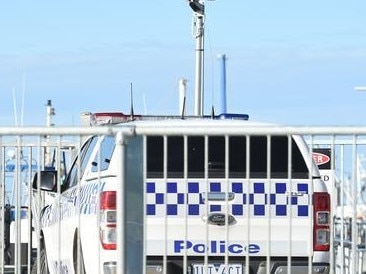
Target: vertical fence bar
2,207
185,180
268,192
17,199
289,221
166,220
311,213
333,200
354,203
144,202
29,211
121,265
227,182
342,232
246,191
206,182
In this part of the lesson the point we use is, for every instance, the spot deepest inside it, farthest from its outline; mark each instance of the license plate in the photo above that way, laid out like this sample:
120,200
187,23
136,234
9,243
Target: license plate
217,269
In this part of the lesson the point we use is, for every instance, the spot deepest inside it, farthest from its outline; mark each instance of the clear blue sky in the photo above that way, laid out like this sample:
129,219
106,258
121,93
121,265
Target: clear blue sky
289,62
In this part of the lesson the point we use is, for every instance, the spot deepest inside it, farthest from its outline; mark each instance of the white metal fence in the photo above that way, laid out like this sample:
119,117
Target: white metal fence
25,151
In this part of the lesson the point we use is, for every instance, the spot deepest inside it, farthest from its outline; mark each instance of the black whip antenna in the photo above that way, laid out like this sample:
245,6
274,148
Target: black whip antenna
131,98
183,108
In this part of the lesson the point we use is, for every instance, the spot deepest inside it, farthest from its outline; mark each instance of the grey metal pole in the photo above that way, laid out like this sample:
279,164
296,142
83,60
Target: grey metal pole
222,58
199,66
121,240
198,8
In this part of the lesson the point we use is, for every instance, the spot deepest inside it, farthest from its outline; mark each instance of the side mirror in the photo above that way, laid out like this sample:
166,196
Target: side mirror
47,180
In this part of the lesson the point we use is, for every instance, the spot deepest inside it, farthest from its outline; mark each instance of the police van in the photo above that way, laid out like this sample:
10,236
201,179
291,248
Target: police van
200,195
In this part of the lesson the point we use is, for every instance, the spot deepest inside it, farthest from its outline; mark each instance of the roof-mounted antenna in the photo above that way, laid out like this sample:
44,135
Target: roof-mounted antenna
131,98
212,112
184,106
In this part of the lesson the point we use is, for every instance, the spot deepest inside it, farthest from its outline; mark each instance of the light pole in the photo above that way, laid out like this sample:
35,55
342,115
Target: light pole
198,7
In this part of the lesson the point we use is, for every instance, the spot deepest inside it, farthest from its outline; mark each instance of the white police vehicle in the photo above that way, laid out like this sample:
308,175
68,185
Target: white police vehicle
202,196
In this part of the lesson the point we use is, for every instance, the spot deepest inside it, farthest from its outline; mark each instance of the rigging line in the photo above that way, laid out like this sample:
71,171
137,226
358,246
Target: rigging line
165,99
23,95
15,107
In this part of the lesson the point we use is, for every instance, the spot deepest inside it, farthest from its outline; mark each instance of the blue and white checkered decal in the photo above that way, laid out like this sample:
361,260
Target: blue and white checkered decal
175,198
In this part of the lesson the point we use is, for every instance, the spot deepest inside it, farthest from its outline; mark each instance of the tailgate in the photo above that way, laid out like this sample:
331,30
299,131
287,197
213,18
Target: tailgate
233,217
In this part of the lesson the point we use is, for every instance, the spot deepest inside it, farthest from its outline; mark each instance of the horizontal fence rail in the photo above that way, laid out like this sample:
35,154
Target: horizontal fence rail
182,198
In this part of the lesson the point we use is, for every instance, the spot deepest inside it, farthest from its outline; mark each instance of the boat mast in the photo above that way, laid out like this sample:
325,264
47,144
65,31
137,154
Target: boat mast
50,114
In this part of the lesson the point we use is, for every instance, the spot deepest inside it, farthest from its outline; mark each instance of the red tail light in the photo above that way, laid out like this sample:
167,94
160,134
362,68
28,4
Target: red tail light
108,219
108,200
321,221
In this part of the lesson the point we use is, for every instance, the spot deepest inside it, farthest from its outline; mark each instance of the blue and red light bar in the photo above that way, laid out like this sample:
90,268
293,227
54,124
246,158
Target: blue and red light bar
104,118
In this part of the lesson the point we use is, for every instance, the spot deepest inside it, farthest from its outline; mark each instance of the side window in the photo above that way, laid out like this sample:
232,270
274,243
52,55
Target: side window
237,154
216,157
175,157
279,158
79,164
103,158
196,157
258,157
298,164
155,155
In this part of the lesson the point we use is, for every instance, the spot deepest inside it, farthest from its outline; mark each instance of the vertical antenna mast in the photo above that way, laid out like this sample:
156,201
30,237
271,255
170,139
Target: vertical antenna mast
223,59
198,8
